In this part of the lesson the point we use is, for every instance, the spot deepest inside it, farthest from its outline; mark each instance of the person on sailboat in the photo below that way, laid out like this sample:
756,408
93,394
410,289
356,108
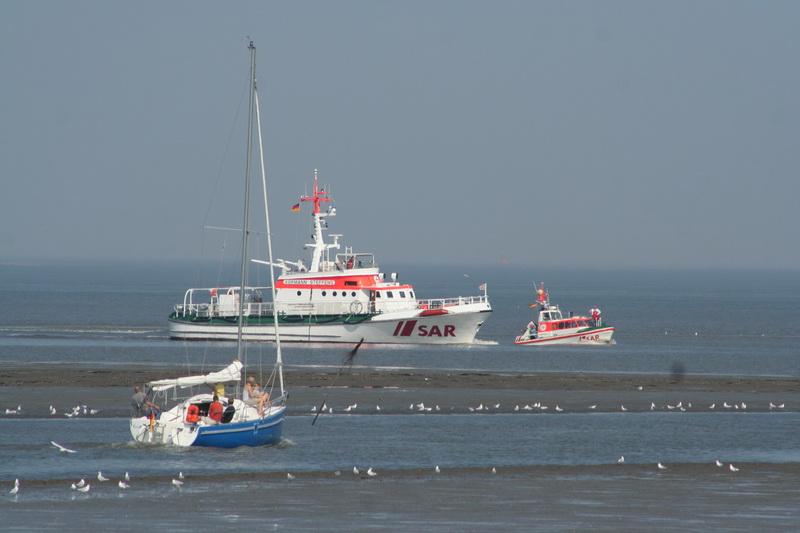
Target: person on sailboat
215,410
255,395
141,405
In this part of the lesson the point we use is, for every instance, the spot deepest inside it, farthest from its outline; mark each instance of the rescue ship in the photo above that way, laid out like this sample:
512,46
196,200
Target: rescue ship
342,296
554,328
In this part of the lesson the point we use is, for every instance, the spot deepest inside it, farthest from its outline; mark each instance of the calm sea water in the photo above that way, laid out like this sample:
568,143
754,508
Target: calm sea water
721,323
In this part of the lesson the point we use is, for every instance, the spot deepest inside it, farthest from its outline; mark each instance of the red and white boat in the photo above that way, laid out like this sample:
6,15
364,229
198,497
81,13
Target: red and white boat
340,297
554,328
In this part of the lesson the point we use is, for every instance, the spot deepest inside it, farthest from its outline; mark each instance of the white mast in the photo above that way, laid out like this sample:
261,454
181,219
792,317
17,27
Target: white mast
246,224
279,356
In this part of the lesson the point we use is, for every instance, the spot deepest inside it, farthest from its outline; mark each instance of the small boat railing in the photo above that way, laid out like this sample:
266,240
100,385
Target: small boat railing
440,303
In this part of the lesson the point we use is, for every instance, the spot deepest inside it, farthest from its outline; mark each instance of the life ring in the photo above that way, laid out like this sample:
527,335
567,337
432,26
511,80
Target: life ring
542,328
356,307
193,414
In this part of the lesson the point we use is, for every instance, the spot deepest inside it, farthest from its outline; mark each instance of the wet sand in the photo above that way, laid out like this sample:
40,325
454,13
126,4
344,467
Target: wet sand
109,390
760,497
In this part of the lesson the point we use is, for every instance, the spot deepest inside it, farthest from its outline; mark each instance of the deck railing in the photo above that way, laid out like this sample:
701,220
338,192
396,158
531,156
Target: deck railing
439,303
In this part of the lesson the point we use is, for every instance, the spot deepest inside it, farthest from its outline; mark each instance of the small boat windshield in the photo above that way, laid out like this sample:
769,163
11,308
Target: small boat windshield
551,315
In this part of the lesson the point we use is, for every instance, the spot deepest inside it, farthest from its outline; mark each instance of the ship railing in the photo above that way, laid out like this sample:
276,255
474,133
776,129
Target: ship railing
440,303
211,310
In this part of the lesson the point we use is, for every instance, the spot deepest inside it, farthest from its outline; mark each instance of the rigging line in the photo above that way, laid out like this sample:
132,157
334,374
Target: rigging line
219,174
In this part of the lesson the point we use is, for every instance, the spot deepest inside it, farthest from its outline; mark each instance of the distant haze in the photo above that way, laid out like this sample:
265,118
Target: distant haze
587,134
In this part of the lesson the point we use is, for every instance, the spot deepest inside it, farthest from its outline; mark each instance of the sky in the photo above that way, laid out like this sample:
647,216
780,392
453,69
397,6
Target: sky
582,134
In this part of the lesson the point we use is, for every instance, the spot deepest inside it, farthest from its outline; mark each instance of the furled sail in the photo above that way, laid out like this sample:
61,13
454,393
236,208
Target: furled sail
232,372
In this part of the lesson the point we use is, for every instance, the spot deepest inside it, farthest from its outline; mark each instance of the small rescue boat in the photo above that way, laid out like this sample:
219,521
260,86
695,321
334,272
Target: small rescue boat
554,328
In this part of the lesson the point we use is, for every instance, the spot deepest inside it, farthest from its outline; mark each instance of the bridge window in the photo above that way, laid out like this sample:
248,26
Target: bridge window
350,283
389,294
411,294
402,294
377,294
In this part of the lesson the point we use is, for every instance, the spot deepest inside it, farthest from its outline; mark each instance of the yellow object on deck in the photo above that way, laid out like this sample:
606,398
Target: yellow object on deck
219,390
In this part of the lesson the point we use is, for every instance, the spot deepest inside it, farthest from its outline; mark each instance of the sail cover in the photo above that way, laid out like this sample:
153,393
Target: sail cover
232,372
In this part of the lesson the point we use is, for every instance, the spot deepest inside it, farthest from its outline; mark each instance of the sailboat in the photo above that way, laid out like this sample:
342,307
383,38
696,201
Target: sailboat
246,421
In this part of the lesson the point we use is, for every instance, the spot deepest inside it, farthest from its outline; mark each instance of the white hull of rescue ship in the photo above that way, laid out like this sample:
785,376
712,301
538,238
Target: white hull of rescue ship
596,336
340,297
452,328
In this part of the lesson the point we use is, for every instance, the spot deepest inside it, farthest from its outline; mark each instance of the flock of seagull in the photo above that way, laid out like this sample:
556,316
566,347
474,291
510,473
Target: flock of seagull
539,406
78,410
660,465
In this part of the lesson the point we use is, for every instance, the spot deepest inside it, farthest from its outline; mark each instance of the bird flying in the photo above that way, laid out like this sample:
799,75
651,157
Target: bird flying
62,448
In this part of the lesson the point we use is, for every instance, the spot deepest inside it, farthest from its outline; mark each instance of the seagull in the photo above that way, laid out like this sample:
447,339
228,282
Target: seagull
516,407
718,463
371,472
725,405
356,471
181,476
670,407
438,408
479,408
314,409
733,468
543,408
411,407
93,411
122,485
337,473
528,407
421,406
661,467
80,483
289,476
494,470
497,406
127,477
621,460
52,411
652,406
558,409
639,388
377,407
712,406
744,405
15,490
330,410
471,409
772,406
437,469
622,408
781,405
683,409
62,448
348,409
593,406
85,488
11,411
679,405
177,482
101,477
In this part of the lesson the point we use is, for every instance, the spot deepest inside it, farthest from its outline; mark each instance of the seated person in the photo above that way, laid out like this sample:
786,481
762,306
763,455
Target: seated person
254,395
214,411
227,414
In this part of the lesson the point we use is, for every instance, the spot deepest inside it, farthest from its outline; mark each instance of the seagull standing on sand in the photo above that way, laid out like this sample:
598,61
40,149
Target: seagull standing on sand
718,463
558,409
289,476
61,448
53,411
494,470
180,475
593,406
652,406
371,472
85,488
15,490
80,484
122,485
177,482
356,471
622,408
712,406
661,467
127,477
621,460
732,468
437,469
101,477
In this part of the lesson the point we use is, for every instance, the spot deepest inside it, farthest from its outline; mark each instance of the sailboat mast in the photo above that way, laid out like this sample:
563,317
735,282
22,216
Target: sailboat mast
246,224
279,356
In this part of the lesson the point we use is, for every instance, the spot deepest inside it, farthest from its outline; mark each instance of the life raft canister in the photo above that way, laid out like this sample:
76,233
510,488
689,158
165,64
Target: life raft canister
542,327
192,414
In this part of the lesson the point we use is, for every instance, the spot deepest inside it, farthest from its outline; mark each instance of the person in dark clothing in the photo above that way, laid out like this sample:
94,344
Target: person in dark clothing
227,414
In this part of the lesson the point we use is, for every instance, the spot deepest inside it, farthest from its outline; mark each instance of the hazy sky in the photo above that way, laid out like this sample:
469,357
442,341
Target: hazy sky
545,133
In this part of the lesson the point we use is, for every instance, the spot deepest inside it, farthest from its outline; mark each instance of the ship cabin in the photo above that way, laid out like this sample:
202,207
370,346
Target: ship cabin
552,321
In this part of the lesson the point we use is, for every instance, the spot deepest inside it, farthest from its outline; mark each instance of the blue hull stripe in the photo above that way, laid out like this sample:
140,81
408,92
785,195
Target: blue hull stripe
251,433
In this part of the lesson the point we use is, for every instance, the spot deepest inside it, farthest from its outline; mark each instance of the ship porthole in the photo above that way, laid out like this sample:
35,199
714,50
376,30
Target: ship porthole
324,293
